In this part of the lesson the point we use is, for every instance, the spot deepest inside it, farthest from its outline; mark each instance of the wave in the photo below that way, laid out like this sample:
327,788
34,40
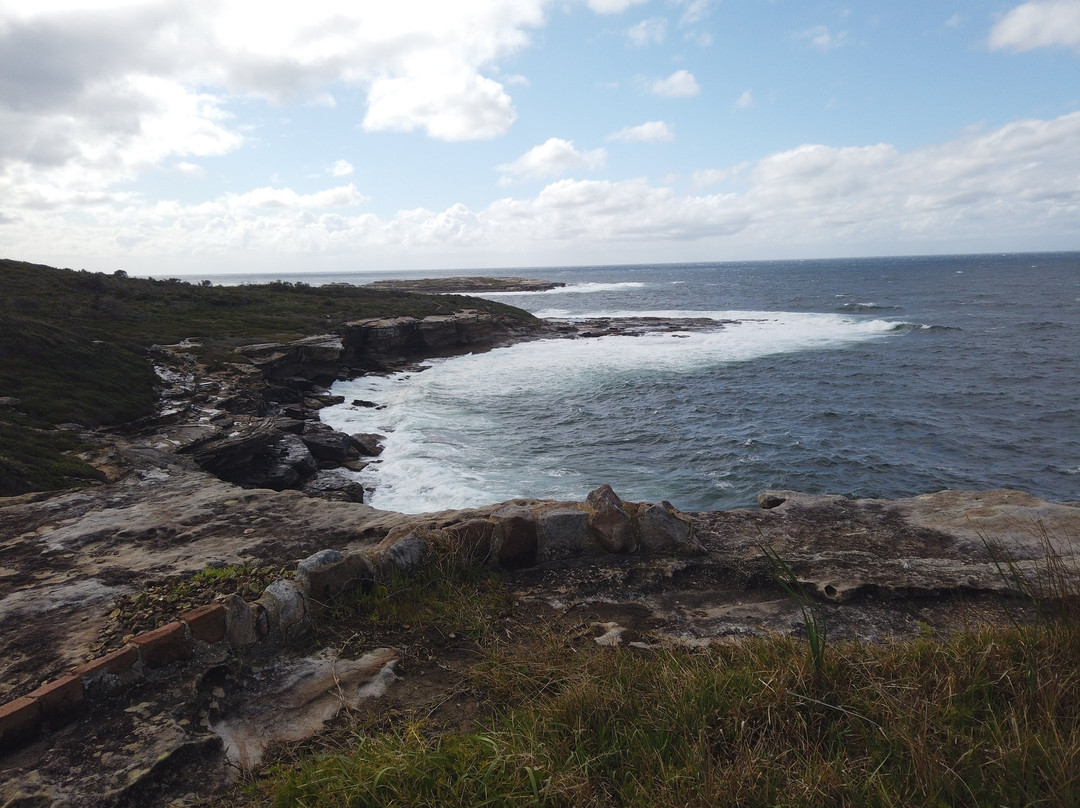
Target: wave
907,328
866,307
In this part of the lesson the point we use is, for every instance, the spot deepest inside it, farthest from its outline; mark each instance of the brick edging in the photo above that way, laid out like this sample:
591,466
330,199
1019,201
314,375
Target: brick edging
60,702
515,535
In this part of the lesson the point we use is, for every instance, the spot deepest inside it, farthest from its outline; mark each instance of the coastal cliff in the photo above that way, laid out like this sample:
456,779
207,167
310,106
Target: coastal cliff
124,635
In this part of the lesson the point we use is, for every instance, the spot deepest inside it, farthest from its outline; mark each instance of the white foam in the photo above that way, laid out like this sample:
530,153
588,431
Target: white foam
445,444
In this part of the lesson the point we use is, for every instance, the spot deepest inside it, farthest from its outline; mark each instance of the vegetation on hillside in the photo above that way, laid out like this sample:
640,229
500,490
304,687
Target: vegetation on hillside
73,344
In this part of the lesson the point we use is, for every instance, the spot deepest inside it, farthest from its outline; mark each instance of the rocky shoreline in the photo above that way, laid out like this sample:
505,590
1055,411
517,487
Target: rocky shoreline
236,469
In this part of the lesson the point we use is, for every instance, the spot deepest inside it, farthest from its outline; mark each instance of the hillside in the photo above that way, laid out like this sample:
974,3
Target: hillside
73,347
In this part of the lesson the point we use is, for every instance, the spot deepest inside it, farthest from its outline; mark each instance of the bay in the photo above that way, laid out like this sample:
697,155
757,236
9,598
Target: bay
870,377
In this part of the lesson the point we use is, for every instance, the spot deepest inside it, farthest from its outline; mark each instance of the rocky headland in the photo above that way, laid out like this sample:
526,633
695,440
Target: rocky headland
117,690
467,285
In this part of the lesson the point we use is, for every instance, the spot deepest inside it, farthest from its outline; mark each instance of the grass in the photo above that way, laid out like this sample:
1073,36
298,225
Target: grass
931,721
36,457
73,345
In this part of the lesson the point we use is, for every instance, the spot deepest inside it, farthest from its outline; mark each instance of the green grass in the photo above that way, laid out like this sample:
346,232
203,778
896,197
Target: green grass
73,345
957,720
36,457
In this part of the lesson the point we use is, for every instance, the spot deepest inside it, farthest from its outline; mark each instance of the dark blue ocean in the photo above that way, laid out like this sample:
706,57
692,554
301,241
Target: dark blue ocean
870,377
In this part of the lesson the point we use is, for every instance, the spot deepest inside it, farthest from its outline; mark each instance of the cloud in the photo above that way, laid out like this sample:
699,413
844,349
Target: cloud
190,169
612,6
95,92
680,84
745,101
822,39
647,32
1013,187
465,106
341,168
1038,24
694,11
553,158
649,132
286,198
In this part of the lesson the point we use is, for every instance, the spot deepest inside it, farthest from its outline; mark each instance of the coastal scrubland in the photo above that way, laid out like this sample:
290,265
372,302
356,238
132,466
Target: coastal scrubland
74,347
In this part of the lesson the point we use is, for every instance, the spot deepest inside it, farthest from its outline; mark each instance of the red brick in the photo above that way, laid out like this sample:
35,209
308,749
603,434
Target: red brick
163,645
207,623
19,720
117,663
61,701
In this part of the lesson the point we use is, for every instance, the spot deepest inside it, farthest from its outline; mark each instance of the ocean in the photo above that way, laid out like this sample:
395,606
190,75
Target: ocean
869,377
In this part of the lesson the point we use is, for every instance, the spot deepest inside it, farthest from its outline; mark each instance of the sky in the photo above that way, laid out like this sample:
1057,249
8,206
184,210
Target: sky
350,135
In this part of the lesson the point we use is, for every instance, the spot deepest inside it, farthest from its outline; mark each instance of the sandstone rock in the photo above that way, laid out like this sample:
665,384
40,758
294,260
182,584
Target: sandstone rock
609,522
473,537
564,533
287,614
408,552
335,447
518,546
335,578
336,487
239,623
368,443
316,560
257,456
662,530
771,499
292,699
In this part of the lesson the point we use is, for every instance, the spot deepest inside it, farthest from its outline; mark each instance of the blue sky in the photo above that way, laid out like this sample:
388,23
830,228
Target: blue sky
232,136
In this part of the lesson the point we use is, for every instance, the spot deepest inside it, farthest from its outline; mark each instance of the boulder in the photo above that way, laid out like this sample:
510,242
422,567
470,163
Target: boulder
239,623
255,455
288,618
611,525
369,444
518,547
663,529
328,575
473,537
333,486
325,444
564,533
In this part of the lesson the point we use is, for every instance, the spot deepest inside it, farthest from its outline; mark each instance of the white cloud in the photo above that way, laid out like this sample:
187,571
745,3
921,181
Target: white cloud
96,92
1013,187
680,84
647,32
272,198
746,100
821,38
1038,24
465,106
613,6
553,158
191,169
694,11
341,168
648,132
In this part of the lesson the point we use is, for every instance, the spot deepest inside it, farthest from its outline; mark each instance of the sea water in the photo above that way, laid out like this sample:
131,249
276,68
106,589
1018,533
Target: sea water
876,377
